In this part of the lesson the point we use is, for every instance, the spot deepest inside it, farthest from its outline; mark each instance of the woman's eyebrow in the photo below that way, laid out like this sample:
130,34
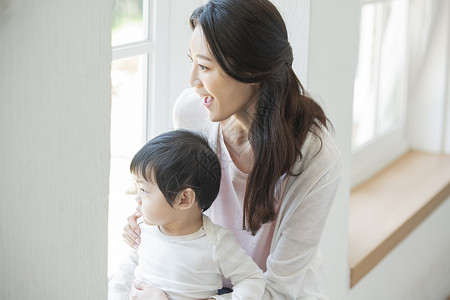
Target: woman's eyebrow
204,57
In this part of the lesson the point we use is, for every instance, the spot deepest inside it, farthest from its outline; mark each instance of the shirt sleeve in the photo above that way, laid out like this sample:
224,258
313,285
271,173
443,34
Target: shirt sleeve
119,286
246,277
294,267
189,113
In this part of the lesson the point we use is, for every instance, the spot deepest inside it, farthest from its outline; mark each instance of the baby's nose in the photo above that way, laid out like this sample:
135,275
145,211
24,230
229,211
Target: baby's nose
138,199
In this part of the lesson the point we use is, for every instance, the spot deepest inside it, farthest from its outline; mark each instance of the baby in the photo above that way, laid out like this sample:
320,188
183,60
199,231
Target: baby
181,251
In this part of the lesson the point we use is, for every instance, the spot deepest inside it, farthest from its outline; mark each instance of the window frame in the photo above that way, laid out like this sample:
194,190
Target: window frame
155,114
372,156
156,47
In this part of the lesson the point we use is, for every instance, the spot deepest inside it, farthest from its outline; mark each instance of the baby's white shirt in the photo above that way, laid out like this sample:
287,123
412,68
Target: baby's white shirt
191,266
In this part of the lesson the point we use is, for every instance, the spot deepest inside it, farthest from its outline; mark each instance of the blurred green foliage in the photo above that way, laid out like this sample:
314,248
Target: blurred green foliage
125,11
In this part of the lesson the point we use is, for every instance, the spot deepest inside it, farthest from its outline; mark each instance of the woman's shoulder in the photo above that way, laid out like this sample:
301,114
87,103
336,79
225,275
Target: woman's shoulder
319,169
320,153
189,113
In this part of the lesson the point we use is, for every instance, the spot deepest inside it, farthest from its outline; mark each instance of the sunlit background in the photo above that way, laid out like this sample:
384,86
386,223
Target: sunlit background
380,84
129,90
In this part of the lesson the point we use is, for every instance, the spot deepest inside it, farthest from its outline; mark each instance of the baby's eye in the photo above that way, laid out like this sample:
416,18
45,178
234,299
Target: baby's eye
142,191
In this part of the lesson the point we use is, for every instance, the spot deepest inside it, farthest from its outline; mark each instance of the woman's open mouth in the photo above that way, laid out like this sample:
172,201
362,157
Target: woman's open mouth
207,101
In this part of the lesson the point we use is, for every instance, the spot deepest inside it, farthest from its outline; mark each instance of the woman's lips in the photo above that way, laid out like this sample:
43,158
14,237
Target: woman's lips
207,101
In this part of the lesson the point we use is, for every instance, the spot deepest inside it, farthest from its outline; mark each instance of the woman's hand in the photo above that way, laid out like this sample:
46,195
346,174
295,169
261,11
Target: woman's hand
143,291
131,231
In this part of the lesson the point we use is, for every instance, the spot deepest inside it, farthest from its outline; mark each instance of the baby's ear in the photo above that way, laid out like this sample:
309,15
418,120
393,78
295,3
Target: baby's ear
185,199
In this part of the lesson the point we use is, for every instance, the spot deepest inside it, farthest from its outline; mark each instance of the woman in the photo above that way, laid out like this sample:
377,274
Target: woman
280,167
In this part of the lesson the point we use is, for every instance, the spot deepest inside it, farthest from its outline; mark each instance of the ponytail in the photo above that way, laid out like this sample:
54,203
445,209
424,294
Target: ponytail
284,117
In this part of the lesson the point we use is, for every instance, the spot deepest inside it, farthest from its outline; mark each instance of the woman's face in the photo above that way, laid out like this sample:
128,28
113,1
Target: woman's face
222,95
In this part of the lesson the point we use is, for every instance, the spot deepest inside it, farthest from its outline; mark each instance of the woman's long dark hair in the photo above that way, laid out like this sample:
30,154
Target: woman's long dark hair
248,39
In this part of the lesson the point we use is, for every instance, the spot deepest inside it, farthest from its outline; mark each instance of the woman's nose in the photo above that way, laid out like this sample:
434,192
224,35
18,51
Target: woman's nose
194,81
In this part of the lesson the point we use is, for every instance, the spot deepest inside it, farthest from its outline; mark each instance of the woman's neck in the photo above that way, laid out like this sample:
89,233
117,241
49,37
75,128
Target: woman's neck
235,135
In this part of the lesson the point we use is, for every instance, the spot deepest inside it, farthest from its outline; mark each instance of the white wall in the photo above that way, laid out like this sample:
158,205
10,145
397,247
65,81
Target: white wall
333,51
54,149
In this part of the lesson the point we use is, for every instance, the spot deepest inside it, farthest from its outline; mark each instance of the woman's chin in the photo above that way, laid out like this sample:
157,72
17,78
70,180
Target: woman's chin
213,117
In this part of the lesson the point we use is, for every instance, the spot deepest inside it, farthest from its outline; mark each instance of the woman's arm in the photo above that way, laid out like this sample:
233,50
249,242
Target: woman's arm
245,275
144,291
293,267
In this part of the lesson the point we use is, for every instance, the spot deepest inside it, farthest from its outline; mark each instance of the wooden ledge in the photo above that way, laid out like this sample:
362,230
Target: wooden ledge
387,207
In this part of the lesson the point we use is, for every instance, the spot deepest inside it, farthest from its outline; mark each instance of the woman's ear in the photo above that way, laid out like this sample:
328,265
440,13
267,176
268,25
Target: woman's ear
185,199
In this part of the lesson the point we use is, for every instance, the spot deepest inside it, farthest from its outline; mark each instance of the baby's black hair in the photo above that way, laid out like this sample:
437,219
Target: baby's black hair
177,160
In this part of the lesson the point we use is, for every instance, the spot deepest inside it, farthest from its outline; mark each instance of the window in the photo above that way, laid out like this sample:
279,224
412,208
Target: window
139,48
380,90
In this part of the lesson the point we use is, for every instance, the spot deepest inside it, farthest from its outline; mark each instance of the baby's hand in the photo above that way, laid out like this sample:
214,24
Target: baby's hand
143,291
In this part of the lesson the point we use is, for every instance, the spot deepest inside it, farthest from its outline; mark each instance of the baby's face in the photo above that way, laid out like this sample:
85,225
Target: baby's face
154,208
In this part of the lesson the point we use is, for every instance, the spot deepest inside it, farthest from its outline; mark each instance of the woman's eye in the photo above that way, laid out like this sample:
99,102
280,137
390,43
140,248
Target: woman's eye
190,58
203,67
143,191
